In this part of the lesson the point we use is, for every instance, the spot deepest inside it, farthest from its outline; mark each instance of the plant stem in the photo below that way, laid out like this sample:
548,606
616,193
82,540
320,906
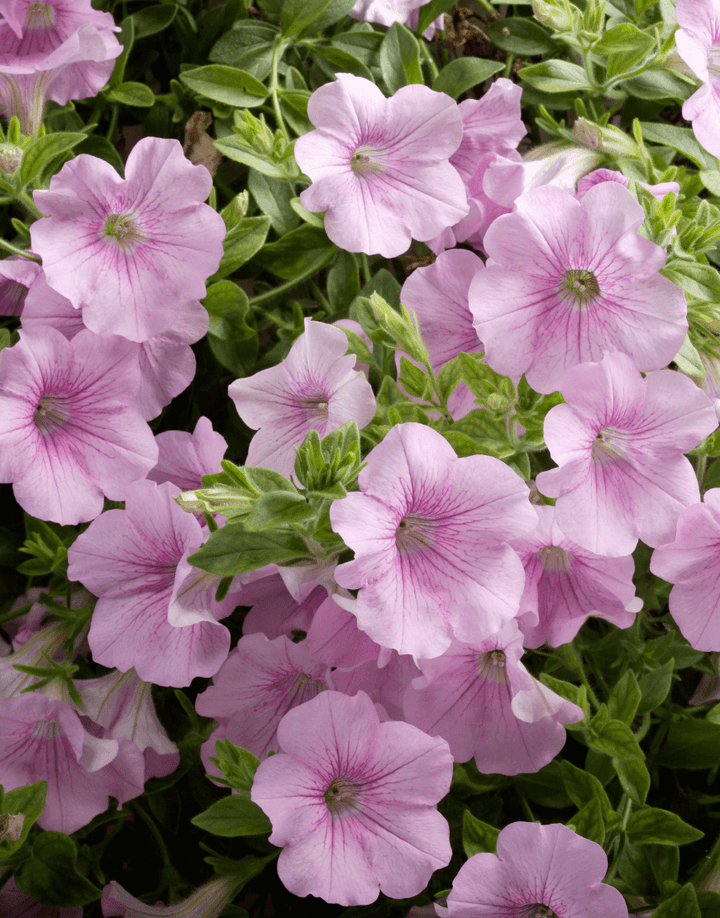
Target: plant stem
14,250
28,203
277,51
293,282
365,262
429,59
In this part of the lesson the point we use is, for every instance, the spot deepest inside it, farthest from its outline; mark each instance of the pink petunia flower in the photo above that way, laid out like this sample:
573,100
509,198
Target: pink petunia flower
256,686
429,531
44,740
352,802
570,280
690,562
129,252
274,610
129,559
52,50
208,901
386,12
380,167
698,44
537,871
564,584
166,361
185,457
598,176
17,275
68,433
619,442
483,701
314,388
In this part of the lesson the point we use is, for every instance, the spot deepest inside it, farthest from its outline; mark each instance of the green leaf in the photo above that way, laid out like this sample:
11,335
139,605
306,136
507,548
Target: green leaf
625,698
297,251
615,739
50,875
229,85
555,76
683,904
526,37
477,836
692,744
464,73
700,281
233,816
589,822
28,801
248,45
237,765
583,788
711,180
634,778
656,85
126,38
340,61
232,335
655,687
488,433
277,508
623,37
430,12
680,139
709,903
43,150
652,826
343,281
153,19
400,58
231,550
273,198
413,380
134,94
299,14
242,242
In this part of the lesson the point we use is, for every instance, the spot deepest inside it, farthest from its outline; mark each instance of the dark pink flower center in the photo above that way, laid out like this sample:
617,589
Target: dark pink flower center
40,16
553,558
607,446
50,414
317,405
341,796
414,532
124,232
46,730
579,286
492,665
536,910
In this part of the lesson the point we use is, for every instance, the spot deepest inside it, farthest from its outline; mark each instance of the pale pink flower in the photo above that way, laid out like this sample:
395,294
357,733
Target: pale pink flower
46,643
565,583
483,701
538,870
334,637
129,558
352,802
314,388
380,167
438,295
619,442
570,280
68,433
690,562
386,12
185,457
56,49
208,901
698,44
44,740
166,361
274,610
129,252
121,703
15,904
598,176
256,686
429,531
17,275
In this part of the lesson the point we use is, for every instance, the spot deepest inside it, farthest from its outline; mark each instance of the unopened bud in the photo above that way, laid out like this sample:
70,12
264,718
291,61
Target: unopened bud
10,157
11,826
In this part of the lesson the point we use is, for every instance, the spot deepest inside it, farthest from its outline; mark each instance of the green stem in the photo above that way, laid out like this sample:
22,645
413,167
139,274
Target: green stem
114,114
172,876
365,262
526,806
572,658
430,60
14,250
277,51
487,6
210,520
509,61
288,285
28,203
442,401
625,810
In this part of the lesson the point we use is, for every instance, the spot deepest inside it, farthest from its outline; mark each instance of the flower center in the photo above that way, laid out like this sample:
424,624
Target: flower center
553,558
364,162
50,414
536,910
492,665
46,729
341,796
607,446
316,404
40,16
123,231
414,532
579,287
